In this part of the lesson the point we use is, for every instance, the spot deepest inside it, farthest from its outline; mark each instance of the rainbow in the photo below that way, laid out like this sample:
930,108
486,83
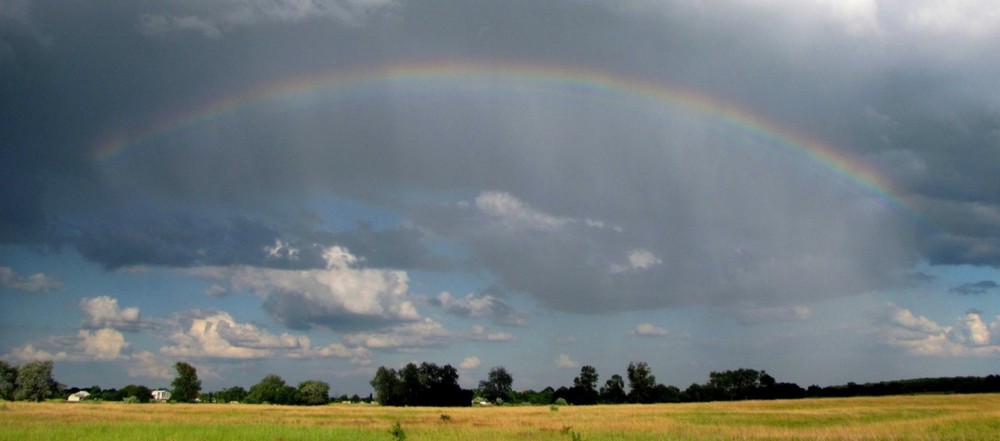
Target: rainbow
575,79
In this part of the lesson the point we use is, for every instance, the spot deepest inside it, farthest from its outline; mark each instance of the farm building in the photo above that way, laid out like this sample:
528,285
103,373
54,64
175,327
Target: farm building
161,395
78,396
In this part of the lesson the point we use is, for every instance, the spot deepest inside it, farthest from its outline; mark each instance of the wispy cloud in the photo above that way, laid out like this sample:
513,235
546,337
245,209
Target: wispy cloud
981,287
565,362
37,283
649,330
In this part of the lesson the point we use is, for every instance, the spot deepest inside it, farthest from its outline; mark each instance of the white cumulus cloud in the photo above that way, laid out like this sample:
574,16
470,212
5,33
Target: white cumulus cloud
970,336
340,295
102,344
218,335
469,363
104,312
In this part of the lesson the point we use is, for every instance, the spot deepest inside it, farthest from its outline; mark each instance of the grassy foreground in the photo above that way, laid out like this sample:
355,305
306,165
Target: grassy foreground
904,417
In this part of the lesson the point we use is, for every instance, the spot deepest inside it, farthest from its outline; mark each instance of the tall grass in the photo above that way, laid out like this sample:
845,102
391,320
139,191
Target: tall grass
906,417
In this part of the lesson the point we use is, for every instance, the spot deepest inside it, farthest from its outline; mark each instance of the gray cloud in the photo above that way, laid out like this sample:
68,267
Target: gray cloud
179,241
981,287
209,18
401,248
484,306
585,199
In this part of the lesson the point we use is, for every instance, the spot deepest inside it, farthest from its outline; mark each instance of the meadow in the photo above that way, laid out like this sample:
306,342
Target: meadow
967,417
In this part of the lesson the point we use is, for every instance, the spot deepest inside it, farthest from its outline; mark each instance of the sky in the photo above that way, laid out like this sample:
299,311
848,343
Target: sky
316,188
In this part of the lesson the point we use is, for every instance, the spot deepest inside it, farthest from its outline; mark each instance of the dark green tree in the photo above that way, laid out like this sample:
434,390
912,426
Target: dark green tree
34,381
272,389
186,385
641,383
587,380
387,387
613,391
439,386
409,376
424,385
314,393
8,381
497,386
739,384
235,393
141,393
530,396
666,394
584,389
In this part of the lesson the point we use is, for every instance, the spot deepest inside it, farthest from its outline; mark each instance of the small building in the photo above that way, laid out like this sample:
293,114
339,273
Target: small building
78,396
161,395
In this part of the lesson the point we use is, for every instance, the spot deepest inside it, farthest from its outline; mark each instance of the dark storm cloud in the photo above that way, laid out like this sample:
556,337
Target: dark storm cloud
593,202
180,241
981,287
401,248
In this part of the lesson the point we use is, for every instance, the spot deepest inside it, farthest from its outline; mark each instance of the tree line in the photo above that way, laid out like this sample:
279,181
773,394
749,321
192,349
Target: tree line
429,384
407,387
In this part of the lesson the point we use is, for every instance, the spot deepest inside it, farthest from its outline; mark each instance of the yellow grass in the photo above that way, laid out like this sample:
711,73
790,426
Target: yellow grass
902,418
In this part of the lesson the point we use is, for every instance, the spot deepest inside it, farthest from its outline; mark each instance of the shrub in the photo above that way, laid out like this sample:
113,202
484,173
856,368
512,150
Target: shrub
397,432
561,401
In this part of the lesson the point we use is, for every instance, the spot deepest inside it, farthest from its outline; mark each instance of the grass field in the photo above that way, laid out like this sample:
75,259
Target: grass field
967,417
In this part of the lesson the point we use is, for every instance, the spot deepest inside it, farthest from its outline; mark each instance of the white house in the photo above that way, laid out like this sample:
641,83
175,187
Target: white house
161,395
78,396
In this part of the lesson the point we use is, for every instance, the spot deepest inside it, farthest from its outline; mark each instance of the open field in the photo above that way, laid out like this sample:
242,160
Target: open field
901,417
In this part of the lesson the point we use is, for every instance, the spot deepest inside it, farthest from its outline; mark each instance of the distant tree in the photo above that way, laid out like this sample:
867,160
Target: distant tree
186,385
439,386
498,385
387,387
587,380
8,381
34,381
641,383
272,389
235,393
563,393
584,389
410,378
425,385
782,391
666,394
766,380
613,391
142,393
695,393
739,384
314,393
529,396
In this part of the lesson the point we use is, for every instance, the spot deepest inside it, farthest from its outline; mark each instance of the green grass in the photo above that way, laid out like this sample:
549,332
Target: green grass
968,417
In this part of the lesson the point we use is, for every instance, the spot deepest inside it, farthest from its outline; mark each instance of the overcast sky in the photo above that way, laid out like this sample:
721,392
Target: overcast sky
316,188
